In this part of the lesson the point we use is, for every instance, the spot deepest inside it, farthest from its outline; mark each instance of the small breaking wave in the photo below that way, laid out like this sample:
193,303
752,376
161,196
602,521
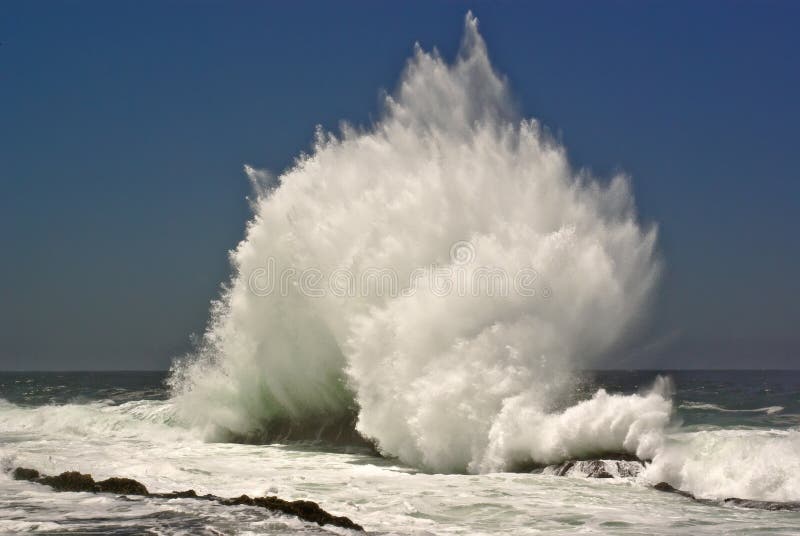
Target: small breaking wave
701,406
153,419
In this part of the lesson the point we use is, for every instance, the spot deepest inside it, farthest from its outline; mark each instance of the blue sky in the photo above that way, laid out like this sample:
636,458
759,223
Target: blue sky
124,127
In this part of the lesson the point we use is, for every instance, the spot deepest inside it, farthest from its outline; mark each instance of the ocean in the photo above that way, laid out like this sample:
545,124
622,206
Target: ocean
398,342
733,433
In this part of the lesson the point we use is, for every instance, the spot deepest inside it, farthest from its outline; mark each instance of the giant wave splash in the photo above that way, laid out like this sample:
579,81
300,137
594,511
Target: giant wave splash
449,191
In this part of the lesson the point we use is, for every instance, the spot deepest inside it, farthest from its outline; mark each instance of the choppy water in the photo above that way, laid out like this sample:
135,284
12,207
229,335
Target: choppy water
123,424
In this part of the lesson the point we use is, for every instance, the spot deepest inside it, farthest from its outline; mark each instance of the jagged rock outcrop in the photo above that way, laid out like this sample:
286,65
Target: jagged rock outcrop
122,486
732,501
76,481
627,467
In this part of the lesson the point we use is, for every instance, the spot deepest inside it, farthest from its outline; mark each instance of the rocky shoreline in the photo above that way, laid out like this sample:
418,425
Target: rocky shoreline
625,467
76,481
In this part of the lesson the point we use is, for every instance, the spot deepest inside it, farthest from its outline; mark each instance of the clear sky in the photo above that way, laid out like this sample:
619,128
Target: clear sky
124,127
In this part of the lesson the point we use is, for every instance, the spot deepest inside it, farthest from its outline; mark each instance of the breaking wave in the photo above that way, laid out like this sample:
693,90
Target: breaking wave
448,193
717,464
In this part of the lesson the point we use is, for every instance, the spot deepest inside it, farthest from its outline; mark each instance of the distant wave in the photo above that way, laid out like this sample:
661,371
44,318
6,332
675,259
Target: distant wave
701,406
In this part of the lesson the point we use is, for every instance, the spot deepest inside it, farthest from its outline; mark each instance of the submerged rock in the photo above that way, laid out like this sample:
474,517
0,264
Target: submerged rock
122,486
69,481
732,501
763,505
668,488
76,481
305,510
22,473
187,494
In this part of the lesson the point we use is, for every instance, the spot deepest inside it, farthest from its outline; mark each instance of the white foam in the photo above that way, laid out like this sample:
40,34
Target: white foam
748,464
439,379
144,418
700,406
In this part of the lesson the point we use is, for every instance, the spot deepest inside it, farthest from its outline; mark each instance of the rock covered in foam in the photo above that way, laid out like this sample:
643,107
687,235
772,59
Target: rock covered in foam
76,481
793,506
69,481
602,468
306,510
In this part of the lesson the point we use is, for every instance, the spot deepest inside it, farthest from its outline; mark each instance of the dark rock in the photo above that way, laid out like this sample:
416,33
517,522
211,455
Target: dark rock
188,494
242,499
69,481
564,468
22,473
623,457
596,469
305,510
122,486
663,486
627,469
666,487
732,501
75,481
627,465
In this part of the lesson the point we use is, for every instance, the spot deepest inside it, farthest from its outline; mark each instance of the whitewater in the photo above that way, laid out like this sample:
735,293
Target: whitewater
402,340
450,371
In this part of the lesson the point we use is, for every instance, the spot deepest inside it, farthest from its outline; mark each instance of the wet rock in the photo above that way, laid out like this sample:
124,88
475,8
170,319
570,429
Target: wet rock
23,473
732,501
242,499
561,470
605,468
666,487
628,469
122,486
69,481
306,510
596,469
75,481
187,494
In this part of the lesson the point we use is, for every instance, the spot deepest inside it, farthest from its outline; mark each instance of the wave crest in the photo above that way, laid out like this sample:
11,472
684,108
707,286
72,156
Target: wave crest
441,380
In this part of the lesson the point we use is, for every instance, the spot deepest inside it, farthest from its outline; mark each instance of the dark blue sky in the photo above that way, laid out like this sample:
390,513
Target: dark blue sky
124,127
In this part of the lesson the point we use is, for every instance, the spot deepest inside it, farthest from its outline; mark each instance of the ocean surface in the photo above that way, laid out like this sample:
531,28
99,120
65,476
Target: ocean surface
733,433
429,281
